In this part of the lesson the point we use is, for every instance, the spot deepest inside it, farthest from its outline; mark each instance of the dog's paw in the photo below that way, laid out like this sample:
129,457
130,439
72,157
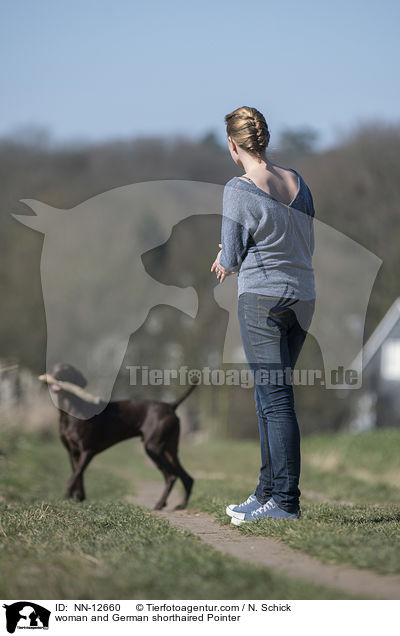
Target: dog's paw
159,506
181,506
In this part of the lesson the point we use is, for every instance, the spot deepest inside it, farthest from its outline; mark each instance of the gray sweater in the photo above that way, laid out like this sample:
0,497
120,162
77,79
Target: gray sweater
270,244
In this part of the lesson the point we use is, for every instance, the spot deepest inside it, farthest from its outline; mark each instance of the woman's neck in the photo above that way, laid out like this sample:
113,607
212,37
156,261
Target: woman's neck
253,167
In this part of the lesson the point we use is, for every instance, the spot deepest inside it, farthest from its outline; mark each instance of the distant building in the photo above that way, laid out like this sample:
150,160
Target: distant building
377,403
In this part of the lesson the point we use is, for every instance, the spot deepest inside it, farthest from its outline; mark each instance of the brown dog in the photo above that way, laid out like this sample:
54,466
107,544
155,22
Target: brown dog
84,435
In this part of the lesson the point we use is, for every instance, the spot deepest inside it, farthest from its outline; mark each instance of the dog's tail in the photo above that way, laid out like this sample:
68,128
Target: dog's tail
184,395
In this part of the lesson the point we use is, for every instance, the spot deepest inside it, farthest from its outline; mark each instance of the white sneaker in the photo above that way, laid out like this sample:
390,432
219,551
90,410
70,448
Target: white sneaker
239,510
269,510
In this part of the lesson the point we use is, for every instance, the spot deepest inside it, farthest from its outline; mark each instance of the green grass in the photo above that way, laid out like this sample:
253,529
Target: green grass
36,467
362,536
363,469
105,548
95,537
353,468
118,551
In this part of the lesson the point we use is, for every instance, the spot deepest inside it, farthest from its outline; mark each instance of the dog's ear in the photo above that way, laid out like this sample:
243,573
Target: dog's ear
79,379
68,373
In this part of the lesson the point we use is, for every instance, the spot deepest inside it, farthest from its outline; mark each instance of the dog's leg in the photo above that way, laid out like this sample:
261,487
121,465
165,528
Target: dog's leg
171,453
81,464
78,489
72,459
187,481
154,451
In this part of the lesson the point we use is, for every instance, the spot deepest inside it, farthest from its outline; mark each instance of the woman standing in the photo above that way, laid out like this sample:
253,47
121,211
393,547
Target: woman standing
268,239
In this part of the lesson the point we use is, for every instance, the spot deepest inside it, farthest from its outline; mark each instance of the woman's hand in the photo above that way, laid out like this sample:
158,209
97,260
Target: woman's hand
220,271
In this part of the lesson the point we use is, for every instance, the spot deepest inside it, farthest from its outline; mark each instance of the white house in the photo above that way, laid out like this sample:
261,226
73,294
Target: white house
377,403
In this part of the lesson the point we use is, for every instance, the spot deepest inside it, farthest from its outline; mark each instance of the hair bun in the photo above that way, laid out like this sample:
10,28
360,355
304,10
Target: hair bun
247,126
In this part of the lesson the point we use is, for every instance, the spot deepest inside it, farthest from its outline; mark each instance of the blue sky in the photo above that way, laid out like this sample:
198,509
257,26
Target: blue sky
100,69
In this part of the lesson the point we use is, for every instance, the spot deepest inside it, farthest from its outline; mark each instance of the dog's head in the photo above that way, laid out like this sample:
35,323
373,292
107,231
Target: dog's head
71,395
67,373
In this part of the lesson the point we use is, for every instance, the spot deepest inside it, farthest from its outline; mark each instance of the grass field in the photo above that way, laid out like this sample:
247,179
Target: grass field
108,548
360,474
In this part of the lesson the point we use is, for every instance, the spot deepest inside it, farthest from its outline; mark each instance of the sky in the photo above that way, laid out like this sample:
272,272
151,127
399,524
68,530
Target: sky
95,70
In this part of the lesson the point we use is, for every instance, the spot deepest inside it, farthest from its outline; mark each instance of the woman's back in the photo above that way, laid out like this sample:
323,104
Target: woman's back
269,242
280,183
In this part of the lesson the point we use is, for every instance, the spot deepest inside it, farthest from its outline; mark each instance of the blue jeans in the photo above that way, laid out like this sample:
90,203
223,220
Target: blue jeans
273,331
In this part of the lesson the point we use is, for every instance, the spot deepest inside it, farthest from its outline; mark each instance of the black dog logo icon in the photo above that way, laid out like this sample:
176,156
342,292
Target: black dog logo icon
27,615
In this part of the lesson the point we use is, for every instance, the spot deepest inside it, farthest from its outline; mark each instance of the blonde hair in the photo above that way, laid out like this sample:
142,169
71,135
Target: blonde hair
248,128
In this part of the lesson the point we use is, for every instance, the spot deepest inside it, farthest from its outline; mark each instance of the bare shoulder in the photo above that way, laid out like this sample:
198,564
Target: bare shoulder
289,175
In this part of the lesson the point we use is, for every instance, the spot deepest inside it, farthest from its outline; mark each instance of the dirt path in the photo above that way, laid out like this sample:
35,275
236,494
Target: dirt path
269,552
